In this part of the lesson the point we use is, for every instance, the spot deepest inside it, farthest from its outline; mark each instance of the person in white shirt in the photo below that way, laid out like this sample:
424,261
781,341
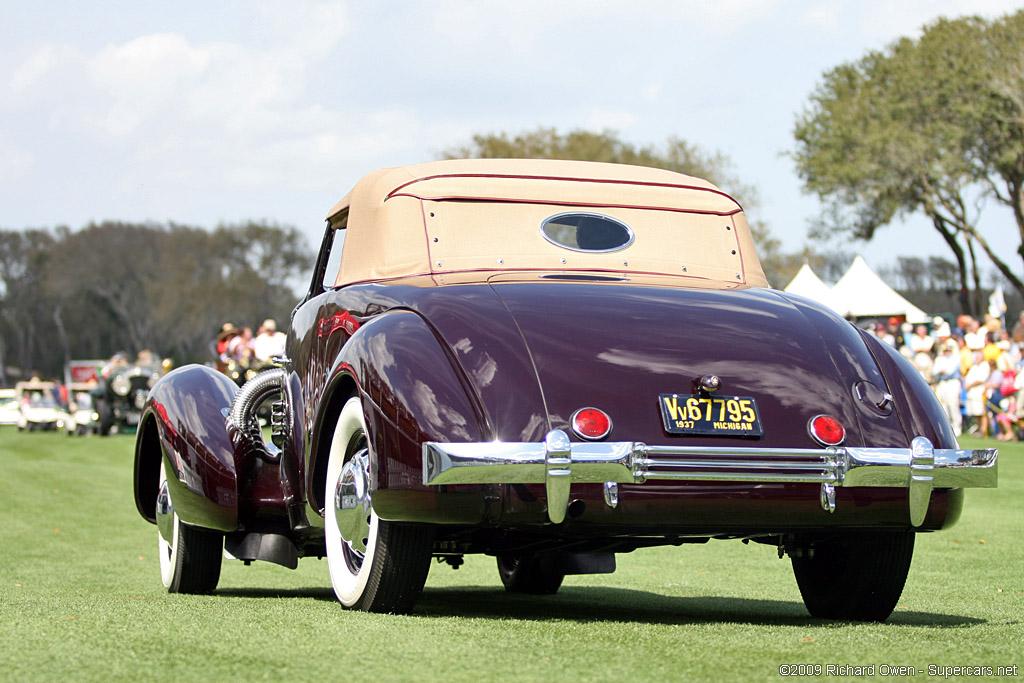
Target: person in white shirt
268,343
974,383
921,341
946,375
974,336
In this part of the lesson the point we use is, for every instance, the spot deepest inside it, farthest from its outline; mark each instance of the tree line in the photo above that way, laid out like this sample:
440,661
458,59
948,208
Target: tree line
129,286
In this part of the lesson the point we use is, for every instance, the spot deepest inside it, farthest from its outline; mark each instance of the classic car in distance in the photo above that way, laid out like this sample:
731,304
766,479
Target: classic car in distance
81,418
38,405
121,393
551,362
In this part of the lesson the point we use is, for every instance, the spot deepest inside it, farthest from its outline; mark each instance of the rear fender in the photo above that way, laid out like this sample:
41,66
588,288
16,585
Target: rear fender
412,391
915,402
184,426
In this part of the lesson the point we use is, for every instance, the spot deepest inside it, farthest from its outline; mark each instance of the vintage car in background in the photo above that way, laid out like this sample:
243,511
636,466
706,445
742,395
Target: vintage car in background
120,394
551,363
39,405
9,409
81,416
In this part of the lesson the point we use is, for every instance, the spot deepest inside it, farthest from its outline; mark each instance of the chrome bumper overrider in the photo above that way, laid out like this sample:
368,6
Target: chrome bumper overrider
556,462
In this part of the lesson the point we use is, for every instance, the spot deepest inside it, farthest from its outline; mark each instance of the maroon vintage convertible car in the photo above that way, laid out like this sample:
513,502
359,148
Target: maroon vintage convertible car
551,362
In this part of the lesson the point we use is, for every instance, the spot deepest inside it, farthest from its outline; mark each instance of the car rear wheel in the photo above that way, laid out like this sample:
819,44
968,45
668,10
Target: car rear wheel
530,573
854,576
375,566
190,557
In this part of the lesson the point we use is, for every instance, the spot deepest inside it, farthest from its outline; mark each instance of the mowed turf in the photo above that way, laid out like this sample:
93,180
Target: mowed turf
81,599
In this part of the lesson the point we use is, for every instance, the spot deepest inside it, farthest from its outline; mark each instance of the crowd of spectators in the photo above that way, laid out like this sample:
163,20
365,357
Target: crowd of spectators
241,346
974,368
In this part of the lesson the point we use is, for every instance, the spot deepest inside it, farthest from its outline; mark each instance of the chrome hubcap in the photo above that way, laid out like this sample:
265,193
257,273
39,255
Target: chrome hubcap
352,502
165,513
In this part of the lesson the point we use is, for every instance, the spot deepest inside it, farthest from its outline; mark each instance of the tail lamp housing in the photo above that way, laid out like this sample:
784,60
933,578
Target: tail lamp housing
826,430
591,424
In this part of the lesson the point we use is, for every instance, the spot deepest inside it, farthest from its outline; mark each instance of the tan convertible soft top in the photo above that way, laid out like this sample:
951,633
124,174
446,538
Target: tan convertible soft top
485,215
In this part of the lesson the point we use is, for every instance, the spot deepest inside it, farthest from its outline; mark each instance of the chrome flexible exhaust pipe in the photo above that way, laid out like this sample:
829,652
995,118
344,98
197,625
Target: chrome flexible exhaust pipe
248,400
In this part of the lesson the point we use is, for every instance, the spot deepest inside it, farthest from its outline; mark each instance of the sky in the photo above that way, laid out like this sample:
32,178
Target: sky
204,113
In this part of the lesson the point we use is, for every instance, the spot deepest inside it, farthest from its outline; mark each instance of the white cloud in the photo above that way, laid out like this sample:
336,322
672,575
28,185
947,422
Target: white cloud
44,61
161,61
204,113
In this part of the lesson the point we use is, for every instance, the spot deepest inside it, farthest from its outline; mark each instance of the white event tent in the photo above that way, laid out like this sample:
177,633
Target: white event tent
806,283
860,293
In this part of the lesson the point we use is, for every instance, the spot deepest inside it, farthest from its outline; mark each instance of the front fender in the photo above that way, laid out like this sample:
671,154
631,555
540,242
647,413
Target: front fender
412,391
184,425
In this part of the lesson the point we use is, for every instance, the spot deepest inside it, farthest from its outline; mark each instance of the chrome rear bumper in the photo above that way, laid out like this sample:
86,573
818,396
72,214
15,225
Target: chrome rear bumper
557,462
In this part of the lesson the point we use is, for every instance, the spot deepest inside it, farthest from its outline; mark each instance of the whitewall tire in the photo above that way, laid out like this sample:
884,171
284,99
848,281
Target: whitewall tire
190,557
375,565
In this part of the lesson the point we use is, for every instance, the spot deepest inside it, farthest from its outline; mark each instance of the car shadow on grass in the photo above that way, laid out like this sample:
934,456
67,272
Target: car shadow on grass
589,604
592,604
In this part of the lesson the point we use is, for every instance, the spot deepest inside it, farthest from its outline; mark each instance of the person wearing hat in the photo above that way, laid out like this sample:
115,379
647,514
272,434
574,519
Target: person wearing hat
227,331
896,331
269,343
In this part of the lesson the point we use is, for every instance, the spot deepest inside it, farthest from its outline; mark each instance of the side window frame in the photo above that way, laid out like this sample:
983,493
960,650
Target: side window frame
329,246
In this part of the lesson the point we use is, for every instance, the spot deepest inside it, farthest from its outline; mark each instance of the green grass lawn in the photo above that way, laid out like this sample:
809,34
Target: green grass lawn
81,599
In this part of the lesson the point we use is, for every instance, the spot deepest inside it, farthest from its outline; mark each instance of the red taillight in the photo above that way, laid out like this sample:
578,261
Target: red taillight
591,423
826,430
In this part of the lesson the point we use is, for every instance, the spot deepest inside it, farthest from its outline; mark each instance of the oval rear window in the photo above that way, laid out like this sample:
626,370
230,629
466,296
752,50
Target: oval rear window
592,232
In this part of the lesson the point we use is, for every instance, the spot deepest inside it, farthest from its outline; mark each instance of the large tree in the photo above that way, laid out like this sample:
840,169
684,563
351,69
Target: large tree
926,126
675,155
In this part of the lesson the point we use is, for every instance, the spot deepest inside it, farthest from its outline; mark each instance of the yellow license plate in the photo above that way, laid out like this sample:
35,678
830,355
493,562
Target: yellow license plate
710,415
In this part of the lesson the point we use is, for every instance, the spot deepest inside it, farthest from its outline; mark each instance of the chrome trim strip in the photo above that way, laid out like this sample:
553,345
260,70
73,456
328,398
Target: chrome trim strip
556,462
